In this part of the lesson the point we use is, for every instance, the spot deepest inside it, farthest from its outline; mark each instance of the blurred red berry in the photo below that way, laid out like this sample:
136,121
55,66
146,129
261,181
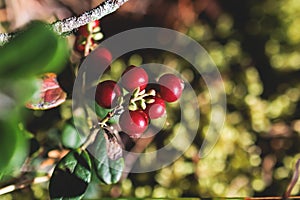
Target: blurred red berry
134,77
171,87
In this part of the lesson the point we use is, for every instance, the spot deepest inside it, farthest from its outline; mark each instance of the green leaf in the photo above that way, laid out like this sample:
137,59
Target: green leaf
71,176
102,112
15,88
71,138
14,145
35,50
108,171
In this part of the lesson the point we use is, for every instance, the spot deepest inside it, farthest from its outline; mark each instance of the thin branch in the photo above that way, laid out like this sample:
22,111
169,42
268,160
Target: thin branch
94,131
293,182
23,184
105,8
67,25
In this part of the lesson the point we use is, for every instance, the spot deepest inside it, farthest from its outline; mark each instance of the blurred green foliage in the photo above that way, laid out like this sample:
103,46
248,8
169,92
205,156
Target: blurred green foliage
21,61
255,45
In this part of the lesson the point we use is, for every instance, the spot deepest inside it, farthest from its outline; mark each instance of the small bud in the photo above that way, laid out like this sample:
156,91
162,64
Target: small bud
96,29
152,92
132,107
136,92
149,101
143,104
97,36
142,92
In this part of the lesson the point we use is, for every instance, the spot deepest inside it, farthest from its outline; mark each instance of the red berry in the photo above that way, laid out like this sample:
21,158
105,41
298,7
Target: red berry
103,53
99,60
134,77
171,87
83,31
107,94
134,123
157,109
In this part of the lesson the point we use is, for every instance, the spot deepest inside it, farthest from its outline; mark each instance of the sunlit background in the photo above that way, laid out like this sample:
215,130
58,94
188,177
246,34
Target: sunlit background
256,47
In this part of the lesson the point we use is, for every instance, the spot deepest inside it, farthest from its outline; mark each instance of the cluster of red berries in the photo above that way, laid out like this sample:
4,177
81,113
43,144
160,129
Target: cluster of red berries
87,37
144,101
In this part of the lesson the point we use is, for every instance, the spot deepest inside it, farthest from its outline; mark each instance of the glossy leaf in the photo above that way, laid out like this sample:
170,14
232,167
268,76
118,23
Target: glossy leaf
100,111
71,176
107,170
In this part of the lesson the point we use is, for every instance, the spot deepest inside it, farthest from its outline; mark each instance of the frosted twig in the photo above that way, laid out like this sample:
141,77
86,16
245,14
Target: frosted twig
67,25
4,37
105,8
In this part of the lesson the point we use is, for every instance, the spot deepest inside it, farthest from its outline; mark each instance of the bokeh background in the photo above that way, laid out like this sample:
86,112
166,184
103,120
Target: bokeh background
255,45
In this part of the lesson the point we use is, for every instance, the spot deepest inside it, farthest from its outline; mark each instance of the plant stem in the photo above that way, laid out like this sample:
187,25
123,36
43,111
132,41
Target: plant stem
140,97
293,182
23,184
66,26
92,136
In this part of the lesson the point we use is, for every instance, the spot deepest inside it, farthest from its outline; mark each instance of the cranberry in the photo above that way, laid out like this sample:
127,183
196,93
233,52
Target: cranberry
134,77
134,123
107,94
156,109
171,87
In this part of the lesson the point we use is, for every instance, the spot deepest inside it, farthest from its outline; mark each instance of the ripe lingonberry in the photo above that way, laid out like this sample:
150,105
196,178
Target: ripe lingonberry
171,87
134,123
134,77
107,94
156,109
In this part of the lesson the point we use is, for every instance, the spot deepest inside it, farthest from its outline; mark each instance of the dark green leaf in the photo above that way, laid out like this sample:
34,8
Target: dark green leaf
35,50
108,171
71,176
15,88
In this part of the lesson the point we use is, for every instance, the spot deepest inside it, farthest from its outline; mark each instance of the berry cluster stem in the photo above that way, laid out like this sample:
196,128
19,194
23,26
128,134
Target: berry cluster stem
142,95
139,97
94,131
